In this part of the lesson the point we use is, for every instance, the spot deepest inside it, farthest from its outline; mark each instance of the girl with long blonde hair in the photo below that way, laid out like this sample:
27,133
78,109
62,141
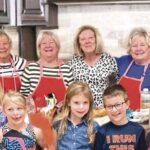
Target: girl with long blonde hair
74,126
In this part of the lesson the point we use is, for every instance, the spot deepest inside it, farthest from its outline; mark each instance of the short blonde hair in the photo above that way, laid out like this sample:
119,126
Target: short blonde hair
14,97
140,32
99,42
40,37
3,34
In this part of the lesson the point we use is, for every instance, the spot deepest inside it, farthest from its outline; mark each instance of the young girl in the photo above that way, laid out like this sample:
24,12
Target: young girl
16,134
74,126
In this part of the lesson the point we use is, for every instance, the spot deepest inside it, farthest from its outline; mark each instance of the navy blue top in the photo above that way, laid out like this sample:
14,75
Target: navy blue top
128,136
75,137
136,71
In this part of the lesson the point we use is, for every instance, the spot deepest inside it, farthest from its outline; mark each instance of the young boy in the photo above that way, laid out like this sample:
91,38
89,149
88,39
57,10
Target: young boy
119,133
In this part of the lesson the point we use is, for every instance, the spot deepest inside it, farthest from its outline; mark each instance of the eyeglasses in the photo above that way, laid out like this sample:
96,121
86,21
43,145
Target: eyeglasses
117,106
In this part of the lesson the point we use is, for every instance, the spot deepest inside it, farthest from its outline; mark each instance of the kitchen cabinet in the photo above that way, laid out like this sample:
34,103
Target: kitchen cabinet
4,12
36,12
28,13
26,16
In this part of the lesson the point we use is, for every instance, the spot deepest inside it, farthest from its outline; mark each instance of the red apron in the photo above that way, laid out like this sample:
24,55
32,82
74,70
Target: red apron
45,86
48,85
133,87
11,82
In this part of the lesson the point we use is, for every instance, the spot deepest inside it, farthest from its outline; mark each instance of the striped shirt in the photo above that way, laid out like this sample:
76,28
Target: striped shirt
14,67
31,76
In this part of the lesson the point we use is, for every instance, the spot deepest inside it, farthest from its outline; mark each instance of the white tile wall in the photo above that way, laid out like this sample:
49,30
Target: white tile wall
113,21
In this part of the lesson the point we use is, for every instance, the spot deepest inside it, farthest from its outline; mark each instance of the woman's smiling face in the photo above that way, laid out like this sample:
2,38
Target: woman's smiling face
5,47
140,50
48,47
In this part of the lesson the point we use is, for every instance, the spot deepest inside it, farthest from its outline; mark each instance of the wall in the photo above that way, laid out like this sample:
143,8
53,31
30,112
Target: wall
113,21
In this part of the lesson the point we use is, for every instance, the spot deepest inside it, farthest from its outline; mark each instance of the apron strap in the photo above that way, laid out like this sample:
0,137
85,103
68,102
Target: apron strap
129,66
142,77
59,71
41,70
14,71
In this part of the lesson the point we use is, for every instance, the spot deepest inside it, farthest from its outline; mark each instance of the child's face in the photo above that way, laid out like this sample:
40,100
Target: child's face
79,107
15,113
116,109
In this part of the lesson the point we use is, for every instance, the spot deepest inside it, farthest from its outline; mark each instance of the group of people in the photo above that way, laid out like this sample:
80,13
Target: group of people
91,80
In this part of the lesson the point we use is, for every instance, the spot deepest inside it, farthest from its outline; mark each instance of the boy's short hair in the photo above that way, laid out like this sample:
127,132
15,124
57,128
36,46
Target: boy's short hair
115,90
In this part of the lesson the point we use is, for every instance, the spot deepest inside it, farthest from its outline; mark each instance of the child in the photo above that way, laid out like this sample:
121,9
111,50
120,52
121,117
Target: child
119,133
16,134
74,126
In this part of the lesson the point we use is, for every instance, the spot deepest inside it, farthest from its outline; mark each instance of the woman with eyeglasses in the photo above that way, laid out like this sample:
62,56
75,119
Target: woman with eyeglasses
119,133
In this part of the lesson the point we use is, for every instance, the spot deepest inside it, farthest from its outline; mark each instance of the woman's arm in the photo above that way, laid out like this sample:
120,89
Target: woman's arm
40,138
42,142
25,82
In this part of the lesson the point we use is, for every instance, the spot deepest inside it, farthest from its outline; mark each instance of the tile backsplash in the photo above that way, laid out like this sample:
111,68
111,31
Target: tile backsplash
113,21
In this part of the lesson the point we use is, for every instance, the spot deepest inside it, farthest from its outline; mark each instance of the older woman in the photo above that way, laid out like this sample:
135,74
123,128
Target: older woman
47,75
91,64
44,78
11,66
134,69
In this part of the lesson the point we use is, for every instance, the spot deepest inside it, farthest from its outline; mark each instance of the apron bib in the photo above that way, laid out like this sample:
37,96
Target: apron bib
133,87
46,86
11,82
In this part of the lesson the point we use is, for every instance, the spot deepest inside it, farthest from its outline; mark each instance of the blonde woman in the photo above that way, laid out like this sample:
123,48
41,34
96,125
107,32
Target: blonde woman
11,66
91,64
74,126
134,68
48,76
16,134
